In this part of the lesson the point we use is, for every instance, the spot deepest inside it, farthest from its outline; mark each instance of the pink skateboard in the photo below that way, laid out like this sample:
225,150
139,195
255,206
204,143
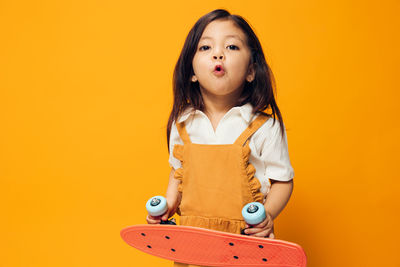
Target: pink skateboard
200,246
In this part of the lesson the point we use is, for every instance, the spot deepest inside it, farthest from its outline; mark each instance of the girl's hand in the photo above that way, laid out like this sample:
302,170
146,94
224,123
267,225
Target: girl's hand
173,198
170,212
263,229
153,220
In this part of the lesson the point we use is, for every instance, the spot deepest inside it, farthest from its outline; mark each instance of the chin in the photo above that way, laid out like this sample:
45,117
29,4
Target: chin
219,91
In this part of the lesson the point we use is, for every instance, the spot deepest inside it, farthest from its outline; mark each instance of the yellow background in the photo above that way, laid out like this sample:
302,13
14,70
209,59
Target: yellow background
85,93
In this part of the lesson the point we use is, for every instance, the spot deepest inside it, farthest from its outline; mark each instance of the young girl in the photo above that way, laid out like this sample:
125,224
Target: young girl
224,150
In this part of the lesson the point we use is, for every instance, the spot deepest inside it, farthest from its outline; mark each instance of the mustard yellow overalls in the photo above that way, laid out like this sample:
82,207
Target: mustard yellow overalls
216,181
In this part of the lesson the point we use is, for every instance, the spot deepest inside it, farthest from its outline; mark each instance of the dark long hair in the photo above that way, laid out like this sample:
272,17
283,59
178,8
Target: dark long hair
259,92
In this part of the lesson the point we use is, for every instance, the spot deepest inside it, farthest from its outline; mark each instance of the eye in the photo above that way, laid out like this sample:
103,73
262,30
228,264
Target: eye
204,47
233,47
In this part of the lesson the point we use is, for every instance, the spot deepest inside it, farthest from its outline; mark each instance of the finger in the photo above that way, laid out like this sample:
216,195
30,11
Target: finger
259,226
264,233
260,232
252,231
152,220
262,224
165,217
271,235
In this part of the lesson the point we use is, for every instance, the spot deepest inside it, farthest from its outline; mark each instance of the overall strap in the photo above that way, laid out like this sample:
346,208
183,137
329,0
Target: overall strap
182,132
251,129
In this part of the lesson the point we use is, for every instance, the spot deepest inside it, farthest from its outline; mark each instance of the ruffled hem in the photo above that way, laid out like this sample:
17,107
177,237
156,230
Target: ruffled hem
218,224
254,183
178,153
179,175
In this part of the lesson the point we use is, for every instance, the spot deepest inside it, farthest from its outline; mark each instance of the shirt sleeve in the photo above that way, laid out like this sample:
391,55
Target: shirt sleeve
174,139
275,154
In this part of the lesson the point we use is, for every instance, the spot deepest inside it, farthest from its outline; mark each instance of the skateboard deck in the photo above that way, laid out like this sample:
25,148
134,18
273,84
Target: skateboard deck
200,246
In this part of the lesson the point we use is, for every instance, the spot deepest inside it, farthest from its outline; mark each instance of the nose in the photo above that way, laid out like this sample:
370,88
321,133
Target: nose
218,57
218,53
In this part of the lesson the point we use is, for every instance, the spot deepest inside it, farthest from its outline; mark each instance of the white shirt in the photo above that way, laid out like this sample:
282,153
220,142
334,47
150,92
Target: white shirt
269,152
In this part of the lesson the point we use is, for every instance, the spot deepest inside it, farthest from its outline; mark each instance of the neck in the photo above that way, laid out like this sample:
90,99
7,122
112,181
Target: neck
216,106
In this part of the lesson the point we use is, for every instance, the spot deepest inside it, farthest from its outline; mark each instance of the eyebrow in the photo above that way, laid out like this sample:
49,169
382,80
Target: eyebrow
226,36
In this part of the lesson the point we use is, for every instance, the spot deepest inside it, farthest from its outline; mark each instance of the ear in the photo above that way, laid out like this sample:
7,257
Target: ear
194,78
251,73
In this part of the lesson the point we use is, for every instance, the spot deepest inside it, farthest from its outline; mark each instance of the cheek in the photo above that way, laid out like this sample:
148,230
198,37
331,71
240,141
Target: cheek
240,68
199,65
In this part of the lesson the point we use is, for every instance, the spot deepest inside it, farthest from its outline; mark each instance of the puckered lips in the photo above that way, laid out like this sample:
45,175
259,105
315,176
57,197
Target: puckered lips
219,70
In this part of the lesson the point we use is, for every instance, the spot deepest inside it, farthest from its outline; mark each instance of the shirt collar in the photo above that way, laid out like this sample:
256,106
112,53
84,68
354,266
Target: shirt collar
246,111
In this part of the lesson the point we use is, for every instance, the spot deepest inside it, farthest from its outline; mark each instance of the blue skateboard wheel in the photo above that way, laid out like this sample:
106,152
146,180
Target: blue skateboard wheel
253,213
156,206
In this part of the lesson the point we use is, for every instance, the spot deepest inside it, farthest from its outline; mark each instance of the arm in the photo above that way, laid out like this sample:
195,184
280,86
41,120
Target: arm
275,155
278,197
276,200
173,198
172,195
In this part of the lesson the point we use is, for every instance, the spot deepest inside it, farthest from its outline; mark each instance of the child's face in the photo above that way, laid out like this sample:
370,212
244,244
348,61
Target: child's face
222,44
